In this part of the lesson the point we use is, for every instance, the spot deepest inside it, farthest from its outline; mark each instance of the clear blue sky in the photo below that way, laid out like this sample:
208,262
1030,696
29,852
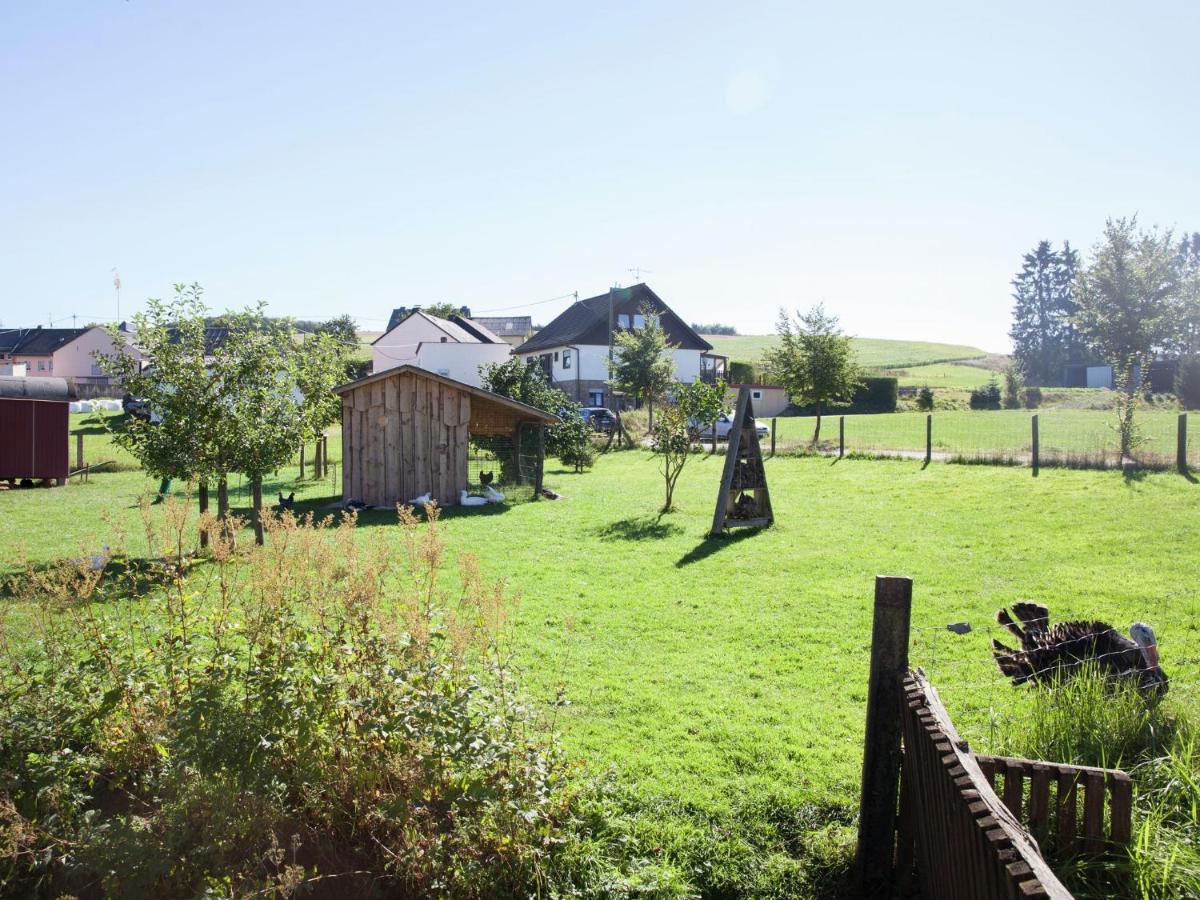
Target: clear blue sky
893,161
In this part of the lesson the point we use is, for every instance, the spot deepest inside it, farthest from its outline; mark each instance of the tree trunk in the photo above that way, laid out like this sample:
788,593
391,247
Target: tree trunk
203,498
817,430
256,487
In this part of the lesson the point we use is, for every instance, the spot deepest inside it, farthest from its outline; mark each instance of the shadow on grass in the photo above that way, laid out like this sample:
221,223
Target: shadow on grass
711,545
637,528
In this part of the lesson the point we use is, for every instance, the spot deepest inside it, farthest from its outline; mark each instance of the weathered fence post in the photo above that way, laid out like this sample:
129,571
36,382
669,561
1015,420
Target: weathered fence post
1036,446
541,461
928,438
772,435
1181,445
881,749
79,450
841,436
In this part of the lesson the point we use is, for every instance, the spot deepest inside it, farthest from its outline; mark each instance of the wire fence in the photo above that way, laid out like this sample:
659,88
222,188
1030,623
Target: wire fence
1067,437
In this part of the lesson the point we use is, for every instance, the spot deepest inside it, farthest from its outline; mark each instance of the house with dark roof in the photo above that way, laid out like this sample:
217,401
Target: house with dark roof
453,348
61,352
514,330
574,349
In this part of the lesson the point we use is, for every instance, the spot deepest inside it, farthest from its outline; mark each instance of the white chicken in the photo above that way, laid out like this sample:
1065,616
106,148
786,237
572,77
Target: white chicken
465,500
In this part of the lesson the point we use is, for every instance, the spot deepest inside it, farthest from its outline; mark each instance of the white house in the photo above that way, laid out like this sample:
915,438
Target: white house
454,348
573,350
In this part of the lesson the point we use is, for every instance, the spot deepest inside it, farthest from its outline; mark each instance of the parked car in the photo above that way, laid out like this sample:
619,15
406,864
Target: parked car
135,406
599,418
724,426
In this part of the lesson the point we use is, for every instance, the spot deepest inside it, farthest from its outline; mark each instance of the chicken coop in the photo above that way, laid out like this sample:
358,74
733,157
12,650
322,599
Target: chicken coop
33,428
408,432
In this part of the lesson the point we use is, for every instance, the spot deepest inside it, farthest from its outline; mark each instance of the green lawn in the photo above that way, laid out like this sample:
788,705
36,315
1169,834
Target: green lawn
942,376
723,680
872,352
1064,433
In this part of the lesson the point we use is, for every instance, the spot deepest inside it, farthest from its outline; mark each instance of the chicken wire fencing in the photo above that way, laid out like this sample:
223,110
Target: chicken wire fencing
1071,438
506,464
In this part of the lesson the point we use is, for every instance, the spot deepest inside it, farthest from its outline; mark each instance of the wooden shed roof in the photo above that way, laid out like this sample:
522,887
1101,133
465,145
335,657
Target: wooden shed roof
527,411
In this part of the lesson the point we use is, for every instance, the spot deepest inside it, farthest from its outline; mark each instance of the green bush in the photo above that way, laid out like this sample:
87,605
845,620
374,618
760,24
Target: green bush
741,372
318,710
1187,382
987,396
925,399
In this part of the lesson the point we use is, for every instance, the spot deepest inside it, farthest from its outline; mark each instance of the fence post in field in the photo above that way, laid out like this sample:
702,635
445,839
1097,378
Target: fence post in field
772,435
881,749
79,450
841,436
1181,446
541,461
928,438
1036,445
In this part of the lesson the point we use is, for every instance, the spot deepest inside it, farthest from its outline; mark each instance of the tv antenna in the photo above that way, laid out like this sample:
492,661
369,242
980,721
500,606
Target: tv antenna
638,271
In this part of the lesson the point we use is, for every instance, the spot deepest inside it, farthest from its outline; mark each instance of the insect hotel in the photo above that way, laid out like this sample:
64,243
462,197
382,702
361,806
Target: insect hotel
409,434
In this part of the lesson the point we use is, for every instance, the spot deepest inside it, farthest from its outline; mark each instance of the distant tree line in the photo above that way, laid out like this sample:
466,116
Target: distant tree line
1137,296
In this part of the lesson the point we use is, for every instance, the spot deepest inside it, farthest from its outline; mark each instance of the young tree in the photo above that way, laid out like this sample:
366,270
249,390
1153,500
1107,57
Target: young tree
571,438
642,365
262,408
813,360
1043,293
680,424
173,440
1127,295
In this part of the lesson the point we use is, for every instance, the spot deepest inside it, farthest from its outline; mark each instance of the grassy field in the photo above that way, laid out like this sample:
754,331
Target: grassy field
1081,434
942,376
873,353
723,680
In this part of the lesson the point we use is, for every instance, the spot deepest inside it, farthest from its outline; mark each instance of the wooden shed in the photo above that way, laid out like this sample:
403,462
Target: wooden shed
34,427
407,432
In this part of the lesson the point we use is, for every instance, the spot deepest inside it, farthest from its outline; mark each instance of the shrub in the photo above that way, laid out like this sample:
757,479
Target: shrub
1012,387
987,396
316,710
1187,382
1031,397
742,372
925,399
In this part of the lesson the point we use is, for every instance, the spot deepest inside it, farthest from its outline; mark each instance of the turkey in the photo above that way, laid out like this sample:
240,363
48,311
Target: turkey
1050,653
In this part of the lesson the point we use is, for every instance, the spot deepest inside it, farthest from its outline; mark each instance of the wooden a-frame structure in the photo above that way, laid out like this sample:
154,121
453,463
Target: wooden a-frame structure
744,500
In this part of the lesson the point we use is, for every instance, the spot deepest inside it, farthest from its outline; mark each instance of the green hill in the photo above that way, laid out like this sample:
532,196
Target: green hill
874,353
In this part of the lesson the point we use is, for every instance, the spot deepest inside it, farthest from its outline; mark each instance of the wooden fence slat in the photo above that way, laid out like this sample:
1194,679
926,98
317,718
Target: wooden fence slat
1121,808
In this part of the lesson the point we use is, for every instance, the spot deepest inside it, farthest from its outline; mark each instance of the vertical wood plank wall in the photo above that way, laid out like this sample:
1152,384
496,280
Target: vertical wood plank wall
402,437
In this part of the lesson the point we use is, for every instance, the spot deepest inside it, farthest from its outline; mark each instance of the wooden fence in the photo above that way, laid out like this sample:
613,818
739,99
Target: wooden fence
951,834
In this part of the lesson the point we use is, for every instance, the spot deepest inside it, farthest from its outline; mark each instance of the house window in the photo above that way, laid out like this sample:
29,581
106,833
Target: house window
596,398
566,359
756,395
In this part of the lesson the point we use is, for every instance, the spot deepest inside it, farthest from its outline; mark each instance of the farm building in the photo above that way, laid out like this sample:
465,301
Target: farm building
34,427
407,432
